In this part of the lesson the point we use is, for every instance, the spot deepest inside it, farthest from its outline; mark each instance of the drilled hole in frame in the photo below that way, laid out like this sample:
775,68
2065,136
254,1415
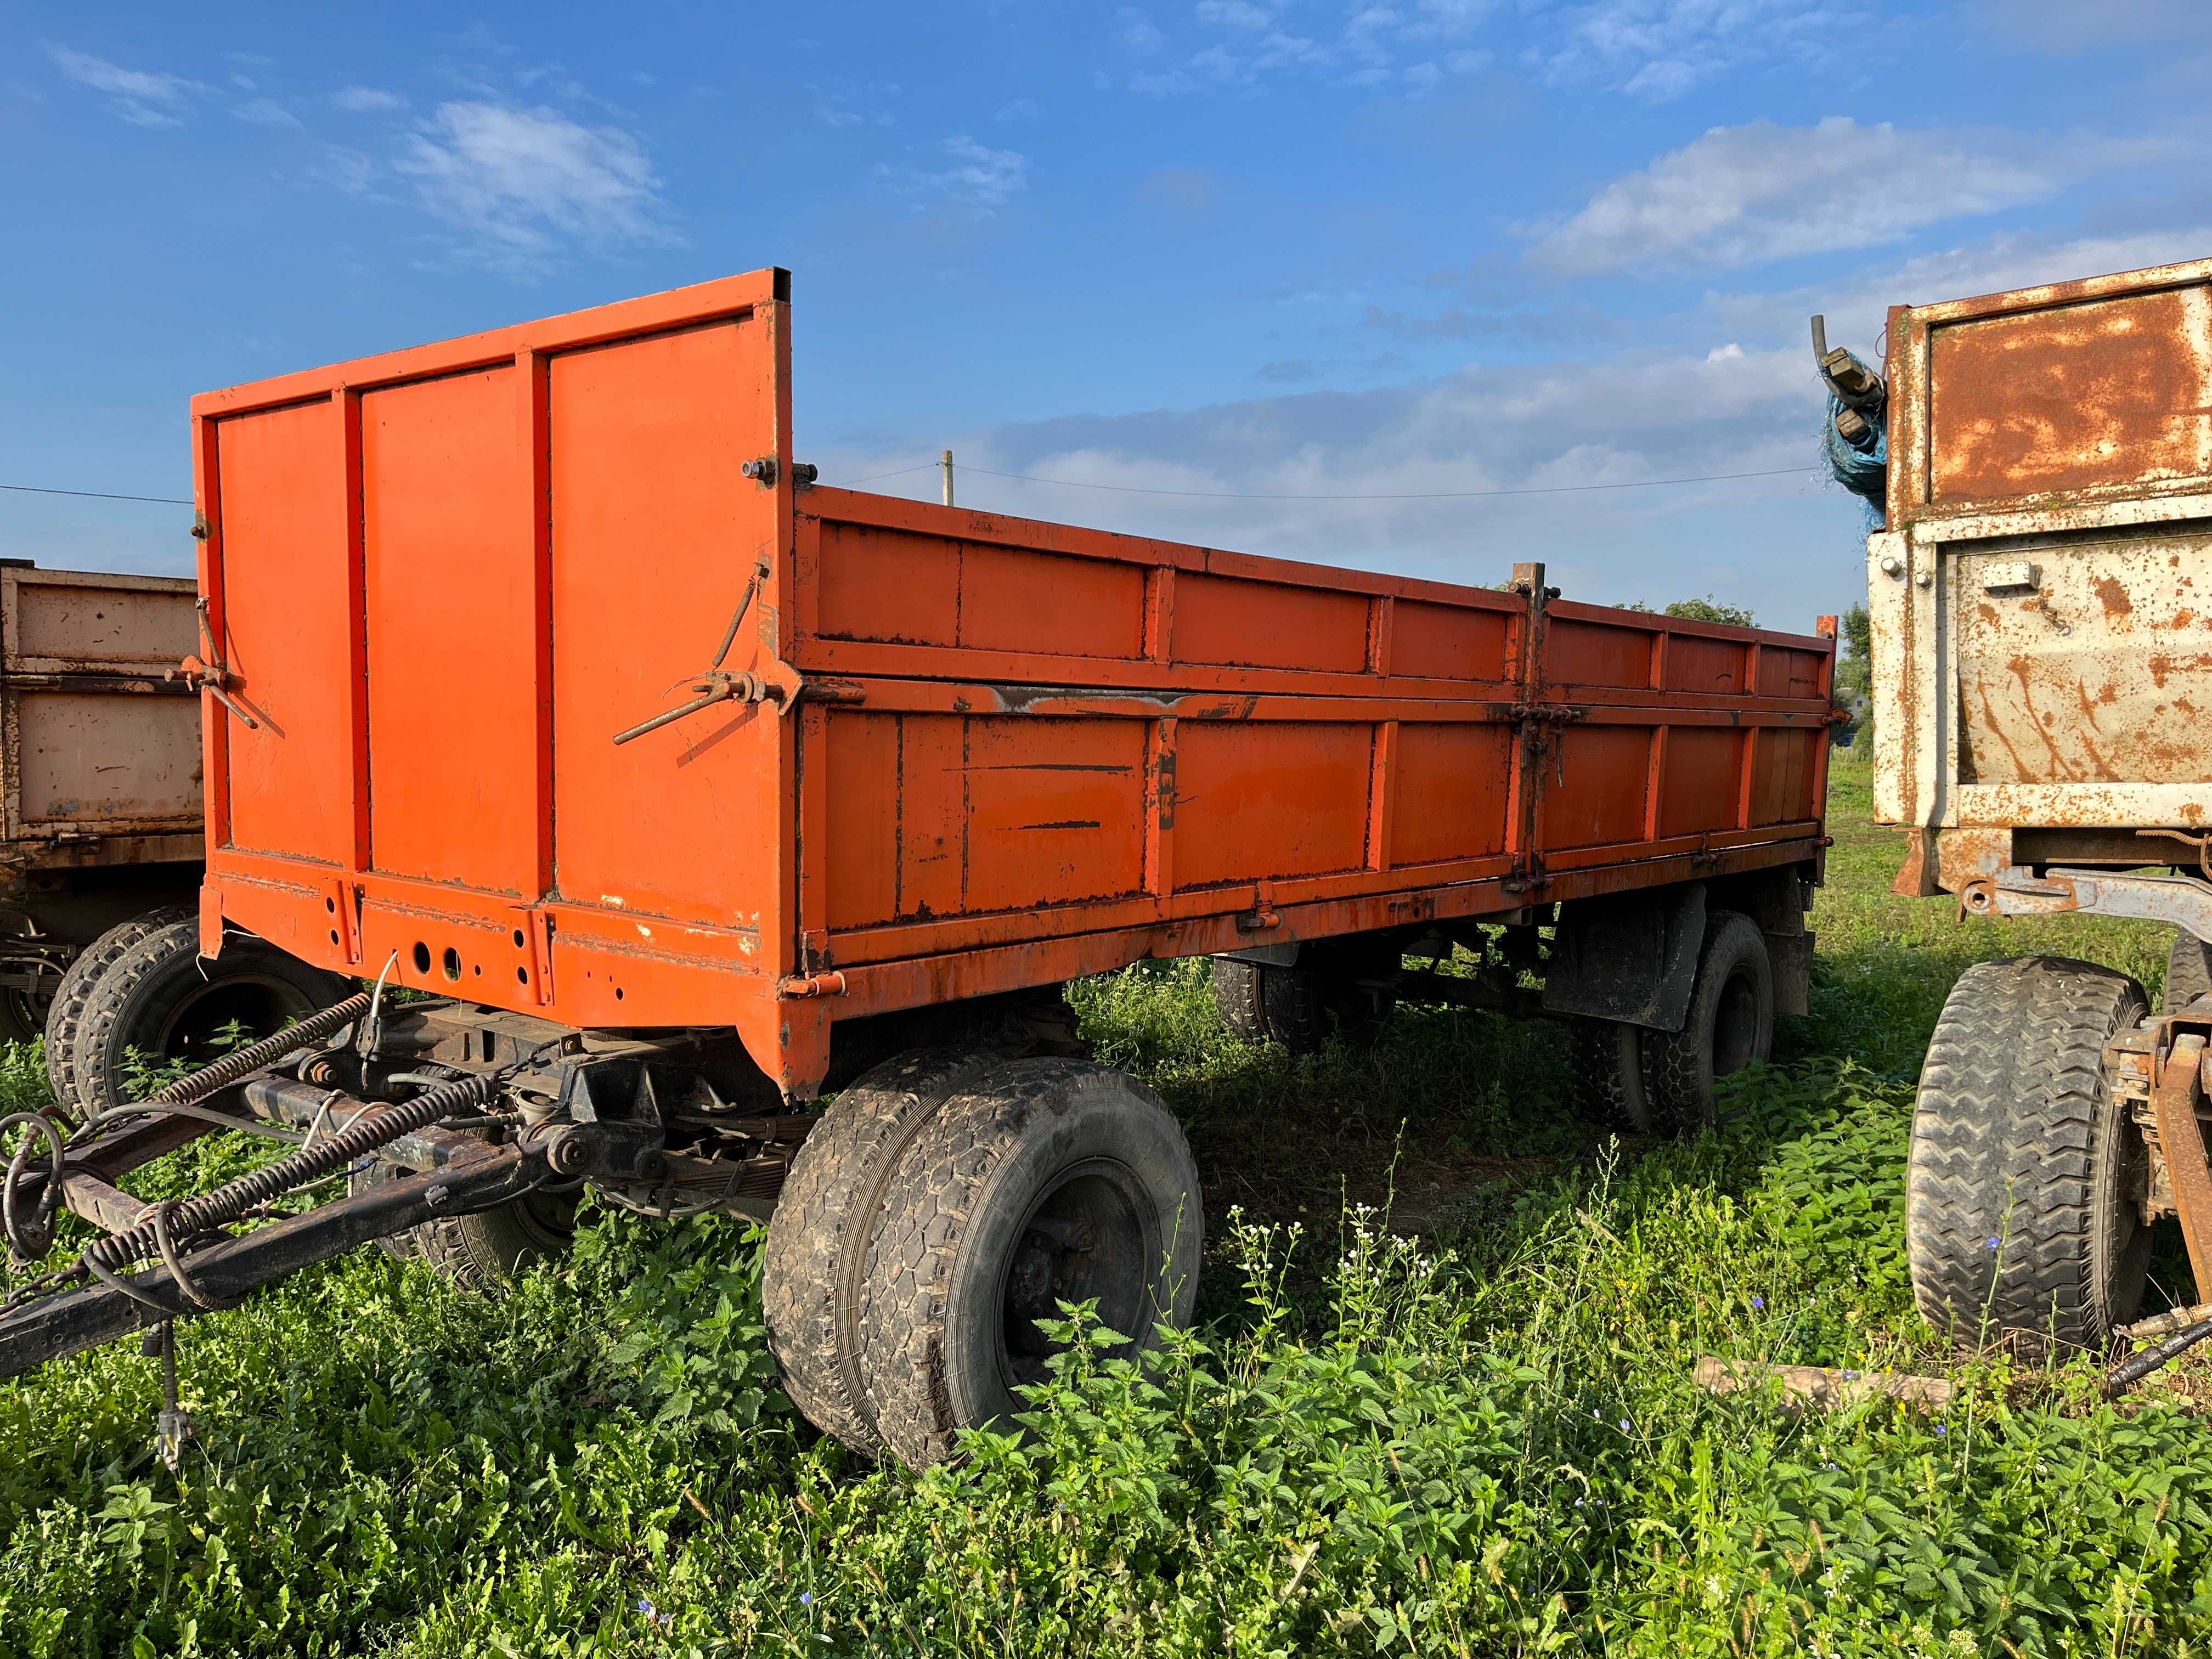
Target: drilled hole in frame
451,962
422,957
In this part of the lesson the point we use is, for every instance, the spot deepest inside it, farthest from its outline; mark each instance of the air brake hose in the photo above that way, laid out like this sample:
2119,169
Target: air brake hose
2150,1359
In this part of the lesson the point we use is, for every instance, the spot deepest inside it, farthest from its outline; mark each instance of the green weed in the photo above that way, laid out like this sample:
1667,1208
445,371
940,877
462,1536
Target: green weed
1480,1440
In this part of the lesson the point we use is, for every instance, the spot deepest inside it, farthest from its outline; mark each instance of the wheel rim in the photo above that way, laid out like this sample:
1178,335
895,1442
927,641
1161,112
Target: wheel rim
1735,1025
1090,1235
259,1004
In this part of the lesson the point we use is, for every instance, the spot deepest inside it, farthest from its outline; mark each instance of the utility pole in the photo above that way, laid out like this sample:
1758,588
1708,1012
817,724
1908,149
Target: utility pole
947,464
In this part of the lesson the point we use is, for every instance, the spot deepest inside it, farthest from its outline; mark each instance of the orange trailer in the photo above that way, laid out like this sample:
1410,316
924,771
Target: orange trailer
540,678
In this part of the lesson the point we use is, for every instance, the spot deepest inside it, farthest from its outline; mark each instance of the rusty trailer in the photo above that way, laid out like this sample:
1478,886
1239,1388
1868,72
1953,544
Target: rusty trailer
542,681
2041,601
99,769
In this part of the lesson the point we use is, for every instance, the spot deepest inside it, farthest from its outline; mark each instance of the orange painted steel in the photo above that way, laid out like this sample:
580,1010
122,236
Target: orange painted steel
942,752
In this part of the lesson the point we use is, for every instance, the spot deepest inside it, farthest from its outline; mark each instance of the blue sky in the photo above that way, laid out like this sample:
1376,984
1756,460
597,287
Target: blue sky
1248,249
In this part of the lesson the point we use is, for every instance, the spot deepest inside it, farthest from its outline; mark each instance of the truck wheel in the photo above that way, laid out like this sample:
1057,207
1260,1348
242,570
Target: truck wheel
487,1251
1729,1025
22,1015
2188,973
1044,1182
66,1015
2019,1201
1301,1006
817,1240
1606,1056
159,998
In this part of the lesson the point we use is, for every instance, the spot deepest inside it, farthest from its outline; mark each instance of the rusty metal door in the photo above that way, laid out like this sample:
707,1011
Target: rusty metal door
2042,600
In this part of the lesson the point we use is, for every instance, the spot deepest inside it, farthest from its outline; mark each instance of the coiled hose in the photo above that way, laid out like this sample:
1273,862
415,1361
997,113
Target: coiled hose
105,1258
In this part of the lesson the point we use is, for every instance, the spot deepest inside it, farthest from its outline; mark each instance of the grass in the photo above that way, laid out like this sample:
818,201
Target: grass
1481,1439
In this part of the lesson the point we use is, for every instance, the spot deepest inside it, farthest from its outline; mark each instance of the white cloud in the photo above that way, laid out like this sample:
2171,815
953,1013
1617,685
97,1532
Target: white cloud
368,100
2068,26
346,171
1857,302
266,112
1240,44
1138,32
142,97
1657,50
1740,195
523,181
980,178
1020,109
1559,427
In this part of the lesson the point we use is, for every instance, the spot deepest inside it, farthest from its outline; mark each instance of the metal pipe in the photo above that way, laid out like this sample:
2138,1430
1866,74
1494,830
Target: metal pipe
61,1325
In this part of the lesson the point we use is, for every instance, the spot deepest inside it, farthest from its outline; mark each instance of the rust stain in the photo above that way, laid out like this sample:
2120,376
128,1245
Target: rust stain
2116,600
2112,391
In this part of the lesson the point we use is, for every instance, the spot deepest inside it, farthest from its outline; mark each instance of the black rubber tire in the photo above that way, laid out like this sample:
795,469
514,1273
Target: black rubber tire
1303,1006
66,1017
1611,1089
2188,973
158,996
2016,1138
24,1015
1730,1022
1237,999
817,1240
485,1252
959,1266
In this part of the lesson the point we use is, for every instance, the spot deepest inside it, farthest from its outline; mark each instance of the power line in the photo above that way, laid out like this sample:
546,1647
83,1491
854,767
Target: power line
94,494
1423,496
926,467
1138,489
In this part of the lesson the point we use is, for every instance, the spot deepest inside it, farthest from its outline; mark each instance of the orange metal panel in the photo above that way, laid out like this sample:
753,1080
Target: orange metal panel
655,537
1454,788
1018,601
1790,673
286,612
862,841
1784,775
1580,654
1256,802
1702,664
1054,807
1592,786
1269,625
452,579
887,586
1451,643
1700,780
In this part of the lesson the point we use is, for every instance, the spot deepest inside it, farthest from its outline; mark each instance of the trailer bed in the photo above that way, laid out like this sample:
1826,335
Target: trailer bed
946,752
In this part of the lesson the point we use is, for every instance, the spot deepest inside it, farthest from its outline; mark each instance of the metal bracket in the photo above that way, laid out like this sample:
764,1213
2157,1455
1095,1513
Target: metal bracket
208,672
2183,902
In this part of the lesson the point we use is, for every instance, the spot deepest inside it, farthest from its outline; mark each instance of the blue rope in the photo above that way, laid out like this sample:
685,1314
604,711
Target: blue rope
1864,473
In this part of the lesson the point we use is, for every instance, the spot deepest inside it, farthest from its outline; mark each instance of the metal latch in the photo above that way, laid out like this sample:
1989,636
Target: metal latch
209,673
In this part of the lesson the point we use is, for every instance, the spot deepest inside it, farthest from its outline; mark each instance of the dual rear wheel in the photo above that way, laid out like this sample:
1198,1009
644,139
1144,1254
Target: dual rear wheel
1630,1077
942,1211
